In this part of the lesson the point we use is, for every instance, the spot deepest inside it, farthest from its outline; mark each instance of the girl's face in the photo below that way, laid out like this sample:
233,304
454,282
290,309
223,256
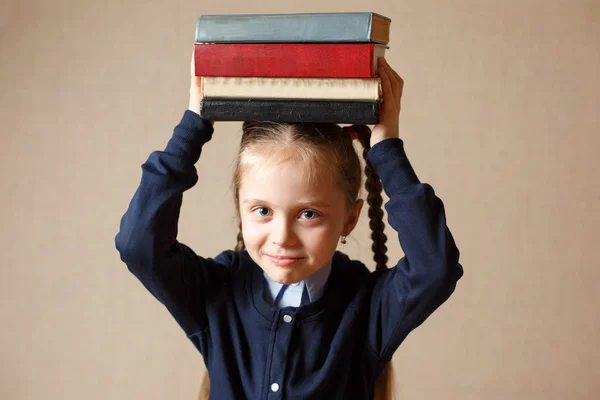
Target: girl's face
291,227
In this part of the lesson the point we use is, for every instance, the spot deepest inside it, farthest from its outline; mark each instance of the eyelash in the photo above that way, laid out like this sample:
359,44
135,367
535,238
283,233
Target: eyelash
305,211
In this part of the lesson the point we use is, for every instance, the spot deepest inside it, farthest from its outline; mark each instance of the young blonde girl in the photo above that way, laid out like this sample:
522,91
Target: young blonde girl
285,314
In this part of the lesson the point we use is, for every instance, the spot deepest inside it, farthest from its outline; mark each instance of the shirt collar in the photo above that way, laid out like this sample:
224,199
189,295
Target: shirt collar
314,282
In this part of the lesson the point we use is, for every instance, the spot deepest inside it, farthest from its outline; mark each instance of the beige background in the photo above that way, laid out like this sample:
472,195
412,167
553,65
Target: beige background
500,116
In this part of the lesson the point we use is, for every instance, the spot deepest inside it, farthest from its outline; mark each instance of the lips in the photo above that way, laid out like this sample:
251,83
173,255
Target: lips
284,261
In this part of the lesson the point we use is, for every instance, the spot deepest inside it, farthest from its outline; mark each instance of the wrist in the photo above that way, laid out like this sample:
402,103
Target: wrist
194,104
377,139
194,109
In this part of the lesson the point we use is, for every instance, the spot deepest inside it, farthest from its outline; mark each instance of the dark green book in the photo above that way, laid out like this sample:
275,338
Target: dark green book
339,112
294,28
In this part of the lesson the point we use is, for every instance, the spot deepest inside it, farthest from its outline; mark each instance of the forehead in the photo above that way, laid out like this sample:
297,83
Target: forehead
289,181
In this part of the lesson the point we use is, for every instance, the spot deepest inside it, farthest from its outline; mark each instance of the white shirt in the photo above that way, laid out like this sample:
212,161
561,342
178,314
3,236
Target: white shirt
293,294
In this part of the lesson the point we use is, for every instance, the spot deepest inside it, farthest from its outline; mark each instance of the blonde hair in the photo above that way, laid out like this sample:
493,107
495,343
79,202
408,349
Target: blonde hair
317,144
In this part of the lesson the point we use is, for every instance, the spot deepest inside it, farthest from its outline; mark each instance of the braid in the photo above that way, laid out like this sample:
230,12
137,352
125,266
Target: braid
384,385
240,240
375,201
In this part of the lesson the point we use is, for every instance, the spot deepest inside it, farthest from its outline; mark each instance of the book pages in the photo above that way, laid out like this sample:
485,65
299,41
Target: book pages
367,89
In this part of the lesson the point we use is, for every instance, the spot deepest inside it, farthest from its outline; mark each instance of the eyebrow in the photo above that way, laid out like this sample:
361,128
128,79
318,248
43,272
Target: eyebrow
309,203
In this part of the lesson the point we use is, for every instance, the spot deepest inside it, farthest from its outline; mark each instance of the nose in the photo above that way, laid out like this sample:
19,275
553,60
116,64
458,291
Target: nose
282,233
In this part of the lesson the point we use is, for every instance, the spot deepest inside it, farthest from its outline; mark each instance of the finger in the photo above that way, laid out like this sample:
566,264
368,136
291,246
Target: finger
196,81
192,69
395,80
388,94
399,80
392,71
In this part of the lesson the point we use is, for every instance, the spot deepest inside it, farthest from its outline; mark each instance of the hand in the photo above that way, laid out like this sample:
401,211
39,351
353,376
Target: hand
389,110
195,88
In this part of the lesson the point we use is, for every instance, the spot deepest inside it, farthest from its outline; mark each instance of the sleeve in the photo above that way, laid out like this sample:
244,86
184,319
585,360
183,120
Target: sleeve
147,240
405,295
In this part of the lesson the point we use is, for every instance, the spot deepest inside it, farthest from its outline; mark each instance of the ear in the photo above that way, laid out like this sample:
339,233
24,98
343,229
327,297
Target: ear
352,218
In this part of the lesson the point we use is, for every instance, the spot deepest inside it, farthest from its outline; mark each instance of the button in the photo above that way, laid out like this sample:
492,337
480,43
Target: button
296,284
274,387
287,318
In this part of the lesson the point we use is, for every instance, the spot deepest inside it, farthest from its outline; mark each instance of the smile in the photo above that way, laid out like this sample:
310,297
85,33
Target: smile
284,261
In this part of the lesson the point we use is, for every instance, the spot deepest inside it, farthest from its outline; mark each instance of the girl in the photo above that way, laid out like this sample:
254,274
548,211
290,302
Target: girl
285,315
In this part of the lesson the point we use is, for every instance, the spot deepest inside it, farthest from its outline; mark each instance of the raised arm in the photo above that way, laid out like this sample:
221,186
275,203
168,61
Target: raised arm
147,240
404,296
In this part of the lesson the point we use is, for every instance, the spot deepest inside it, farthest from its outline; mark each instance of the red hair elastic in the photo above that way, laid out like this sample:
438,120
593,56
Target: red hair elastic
351,132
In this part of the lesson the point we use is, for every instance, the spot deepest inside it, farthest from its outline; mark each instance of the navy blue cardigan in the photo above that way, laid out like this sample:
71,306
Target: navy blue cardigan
333,348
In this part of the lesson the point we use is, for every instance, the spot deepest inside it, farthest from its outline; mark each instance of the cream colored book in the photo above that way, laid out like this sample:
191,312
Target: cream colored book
350,89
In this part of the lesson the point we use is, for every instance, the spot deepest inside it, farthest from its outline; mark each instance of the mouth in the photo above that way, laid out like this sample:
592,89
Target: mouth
283,261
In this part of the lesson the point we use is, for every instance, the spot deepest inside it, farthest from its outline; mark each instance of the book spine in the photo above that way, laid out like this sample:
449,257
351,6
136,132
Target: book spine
292,88
320,60
342,112
294,28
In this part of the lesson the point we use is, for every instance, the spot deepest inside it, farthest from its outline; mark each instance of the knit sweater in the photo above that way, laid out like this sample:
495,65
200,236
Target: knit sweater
332,348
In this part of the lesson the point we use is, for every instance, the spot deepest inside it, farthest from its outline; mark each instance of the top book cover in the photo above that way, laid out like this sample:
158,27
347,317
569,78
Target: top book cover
351,27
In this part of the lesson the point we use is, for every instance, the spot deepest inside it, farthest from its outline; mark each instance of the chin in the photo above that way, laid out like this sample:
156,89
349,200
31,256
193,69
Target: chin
283,274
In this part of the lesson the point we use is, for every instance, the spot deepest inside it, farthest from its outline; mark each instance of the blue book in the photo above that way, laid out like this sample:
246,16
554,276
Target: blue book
351,27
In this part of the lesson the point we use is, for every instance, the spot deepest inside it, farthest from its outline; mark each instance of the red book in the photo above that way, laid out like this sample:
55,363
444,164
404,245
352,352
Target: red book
303,60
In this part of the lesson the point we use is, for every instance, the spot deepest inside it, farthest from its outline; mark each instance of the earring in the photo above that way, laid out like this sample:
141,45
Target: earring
343,239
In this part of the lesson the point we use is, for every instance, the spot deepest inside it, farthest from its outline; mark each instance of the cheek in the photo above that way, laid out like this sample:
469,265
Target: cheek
252,232
322,238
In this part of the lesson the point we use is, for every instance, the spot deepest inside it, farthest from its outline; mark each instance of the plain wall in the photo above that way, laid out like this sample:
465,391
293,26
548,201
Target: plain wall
500,116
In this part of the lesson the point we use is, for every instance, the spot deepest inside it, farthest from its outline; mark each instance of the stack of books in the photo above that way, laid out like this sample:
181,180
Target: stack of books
312,67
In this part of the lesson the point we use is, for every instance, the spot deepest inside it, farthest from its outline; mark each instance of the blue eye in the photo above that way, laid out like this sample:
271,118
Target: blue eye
262,211
310,214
